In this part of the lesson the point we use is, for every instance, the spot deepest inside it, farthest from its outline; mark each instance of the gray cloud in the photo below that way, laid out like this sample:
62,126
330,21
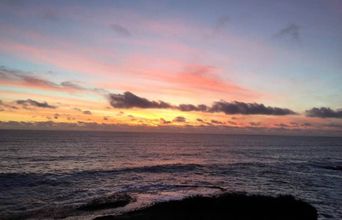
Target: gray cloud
72,85
30,102
306,124
120,30
190,107
334,125
248,109
291,31
87,112
232,122
324,112
129,100
216,122
50,15
163,121
221,23
179,119
218,27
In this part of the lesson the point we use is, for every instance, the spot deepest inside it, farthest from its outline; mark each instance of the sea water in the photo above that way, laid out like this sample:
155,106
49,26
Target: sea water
51,173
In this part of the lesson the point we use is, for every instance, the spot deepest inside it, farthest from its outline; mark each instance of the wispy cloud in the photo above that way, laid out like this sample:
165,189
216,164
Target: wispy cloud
72,85
75,57
16,76
50,15
221,23
120,30
28,79
291,31
205,77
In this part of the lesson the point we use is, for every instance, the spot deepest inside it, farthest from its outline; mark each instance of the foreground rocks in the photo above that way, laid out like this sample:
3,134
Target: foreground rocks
234,206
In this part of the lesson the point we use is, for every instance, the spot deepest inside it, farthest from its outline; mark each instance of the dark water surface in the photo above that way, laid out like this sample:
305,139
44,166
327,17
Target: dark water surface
51,173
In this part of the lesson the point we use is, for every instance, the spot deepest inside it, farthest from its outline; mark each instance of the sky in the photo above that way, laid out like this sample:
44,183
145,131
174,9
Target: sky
260,67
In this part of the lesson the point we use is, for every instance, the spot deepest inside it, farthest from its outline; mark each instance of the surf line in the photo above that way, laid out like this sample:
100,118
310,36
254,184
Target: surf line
200,186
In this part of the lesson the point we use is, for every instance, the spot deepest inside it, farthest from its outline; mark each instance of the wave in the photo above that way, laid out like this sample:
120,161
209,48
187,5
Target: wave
107,202
151,169
329,166
15,180
12,180
112,201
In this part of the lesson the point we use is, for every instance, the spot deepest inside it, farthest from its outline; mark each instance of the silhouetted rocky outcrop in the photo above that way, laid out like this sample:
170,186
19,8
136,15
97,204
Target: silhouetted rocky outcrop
234,206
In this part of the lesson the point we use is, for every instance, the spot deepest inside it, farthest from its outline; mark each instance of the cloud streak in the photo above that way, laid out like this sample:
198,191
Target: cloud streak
324,112
34,103
27,79
20,77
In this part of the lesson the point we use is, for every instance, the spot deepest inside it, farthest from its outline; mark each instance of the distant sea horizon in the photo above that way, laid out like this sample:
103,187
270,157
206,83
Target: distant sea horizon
178,132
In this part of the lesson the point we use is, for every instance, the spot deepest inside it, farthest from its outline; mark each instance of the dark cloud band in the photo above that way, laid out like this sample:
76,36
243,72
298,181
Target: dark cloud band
324,112
248,109
129,100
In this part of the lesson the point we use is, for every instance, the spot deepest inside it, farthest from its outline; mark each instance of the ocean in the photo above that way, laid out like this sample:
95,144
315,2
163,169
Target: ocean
49,174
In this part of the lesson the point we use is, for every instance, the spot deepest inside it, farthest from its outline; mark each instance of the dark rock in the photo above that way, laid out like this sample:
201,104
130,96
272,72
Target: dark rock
112,201
235,206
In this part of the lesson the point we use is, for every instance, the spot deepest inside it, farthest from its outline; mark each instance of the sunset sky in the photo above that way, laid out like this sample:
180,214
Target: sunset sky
192,66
